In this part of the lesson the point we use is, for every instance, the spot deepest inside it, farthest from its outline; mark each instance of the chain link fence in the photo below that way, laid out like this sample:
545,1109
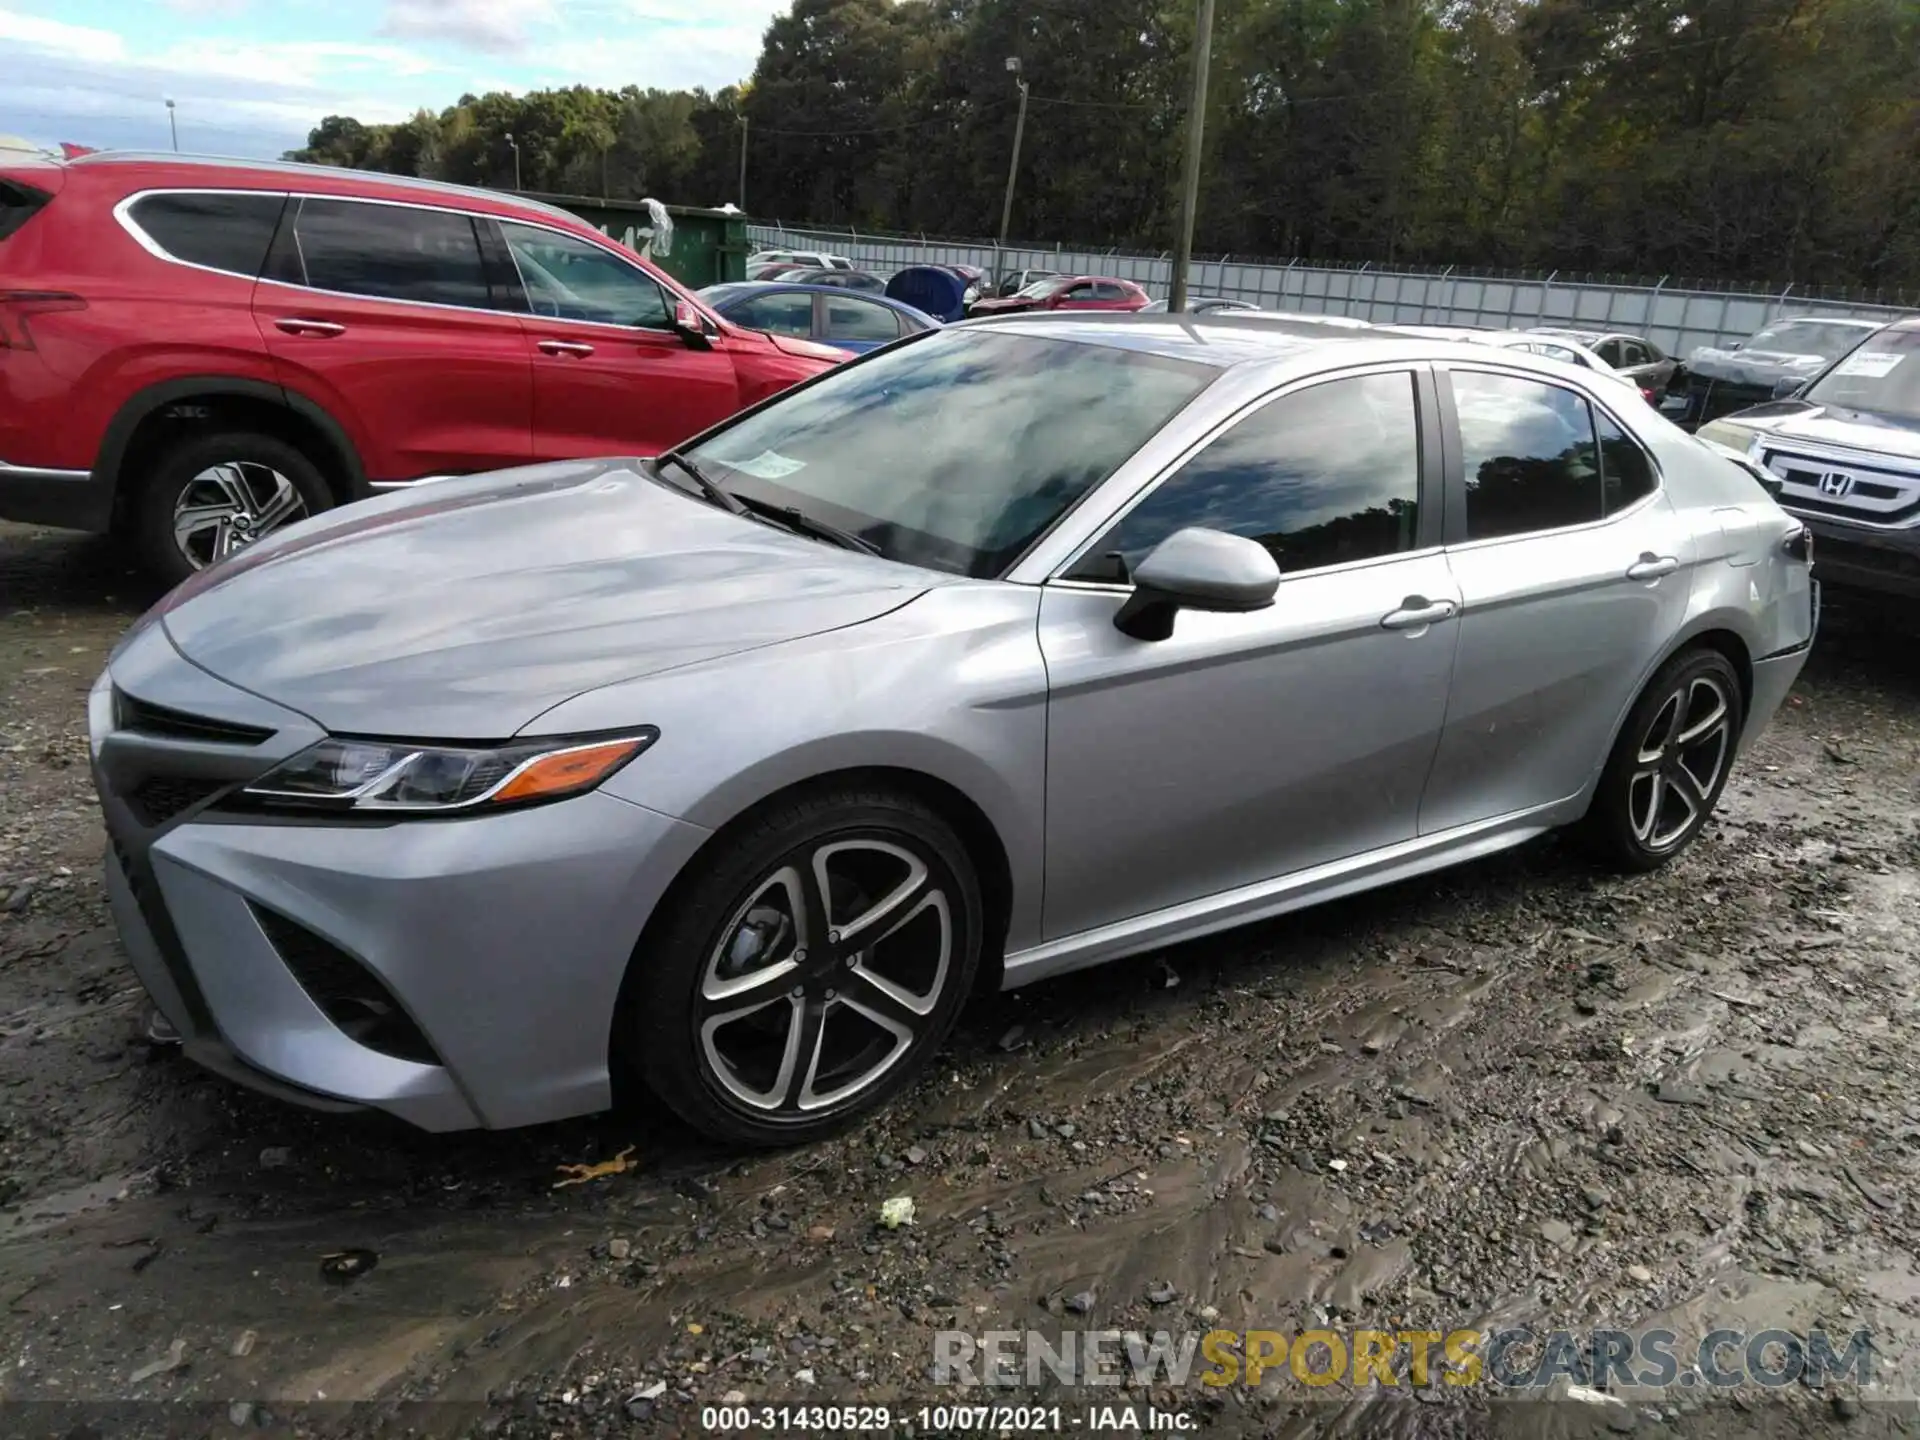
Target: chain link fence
1678,316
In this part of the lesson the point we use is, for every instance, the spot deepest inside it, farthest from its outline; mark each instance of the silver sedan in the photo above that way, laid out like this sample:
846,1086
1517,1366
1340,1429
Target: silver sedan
1006,650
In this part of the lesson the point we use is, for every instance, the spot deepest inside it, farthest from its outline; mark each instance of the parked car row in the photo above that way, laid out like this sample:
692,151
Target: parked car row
196,353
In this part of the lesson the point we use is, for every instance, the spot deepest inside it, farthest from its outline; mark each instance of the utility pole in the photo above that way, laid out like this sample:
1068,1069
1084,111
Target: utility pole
514,145
173,128
1196,135
1013,167
742,201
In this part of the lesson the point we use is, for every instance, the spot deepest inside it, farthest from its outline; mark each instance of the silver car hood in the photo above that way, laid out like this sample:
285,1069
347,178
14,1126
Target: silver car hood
465,609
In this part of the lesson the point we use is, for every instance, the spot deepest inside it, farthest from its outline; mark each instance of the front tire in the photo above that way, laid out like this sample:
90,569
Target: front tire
213,494
810,972
1669,765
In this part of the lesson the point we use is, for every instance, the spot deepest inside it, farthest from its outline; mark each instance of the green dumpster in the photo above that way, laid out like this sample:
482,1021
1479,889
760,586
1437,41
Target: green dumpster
709,246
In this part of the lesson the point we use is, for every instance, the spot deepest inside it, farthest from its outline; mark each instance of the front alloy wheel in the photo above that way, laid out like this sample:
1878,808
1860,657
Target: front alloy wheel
1669,764
812,972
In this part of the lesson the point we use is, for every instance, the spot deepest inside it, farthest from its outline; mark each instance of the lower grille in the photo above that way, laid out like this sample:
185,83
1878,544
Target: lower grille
347,992
158,799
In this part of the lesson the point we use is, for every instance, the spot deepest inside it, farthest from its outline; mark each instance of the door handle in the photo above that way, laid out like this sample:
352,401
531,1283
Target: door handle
294,325
565,347
1651,567
1416,611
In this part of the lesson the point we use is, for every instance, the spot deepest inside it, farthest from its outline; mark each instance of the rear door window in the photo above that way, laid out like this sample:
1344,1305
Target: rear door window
1529,456
389,252
229,231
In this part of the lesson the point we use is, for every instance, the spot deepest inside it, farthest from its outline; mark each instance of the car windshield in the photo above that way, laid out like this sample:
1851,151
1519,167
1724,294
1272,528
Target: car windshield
1883,376
1034,289
957,451
1803,339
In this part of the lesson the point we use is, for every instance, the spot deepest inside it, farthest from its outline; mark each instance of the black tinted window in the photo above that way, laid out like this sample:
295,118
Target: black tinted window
1609,351
224,232
18,204
390,252
1528,452
1320,477
852,319
1625,470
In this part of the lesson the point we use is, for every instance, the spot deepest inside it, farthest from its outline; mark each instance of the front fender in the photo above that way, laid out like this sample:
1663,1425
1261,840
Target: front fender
950,686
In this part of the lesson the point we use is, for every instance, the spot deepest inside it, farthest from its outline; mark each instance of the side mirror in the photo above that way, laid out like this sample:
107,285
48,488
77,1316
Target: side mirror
1788,388
1195,569
691,326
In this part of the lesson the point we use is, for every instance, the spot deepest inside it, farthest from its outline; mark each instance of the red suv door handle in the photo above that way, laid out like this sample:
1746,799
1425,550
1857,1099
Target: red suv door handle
293,325
565,347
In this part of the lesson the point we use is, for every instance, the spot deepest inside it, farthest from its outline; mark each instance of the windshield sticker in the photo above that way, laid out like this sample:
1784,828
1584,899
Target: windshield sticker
1874,364
768,465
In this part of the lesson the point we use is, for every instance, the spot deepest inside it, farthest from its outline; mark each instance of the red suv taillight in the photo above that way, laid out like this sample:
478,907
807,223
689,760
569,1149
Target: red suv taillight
17,306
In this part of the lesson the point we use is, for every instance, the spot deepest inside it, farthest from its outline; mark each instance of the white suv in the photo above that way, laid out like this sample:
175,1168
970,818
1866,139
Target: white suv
817,258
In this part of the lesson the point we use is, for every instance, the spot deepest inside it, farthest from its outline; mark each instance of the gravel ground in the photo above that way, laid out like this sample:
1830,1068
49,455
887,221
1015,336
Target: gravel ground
1520,1093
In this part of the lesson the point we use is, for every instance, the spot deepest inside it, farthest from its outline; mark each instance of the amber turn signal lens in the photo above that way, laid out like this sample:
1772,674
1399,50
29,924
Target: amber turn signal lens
565,771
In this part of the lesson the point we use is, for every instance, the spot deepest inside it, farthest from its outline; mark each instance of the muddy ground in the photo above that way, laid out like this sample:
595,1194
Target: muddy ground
1518,1094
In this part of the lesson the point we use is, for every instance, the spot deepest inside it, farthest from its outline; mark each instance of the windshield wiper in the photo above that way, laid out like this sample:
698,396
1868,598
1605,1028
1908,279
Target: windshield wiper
708,486
795,518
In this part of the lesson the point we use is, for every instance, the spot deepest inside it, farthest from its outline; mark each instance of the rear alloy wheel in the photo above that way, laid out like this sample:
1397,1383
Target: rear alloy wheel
1670,763
214,495
813,972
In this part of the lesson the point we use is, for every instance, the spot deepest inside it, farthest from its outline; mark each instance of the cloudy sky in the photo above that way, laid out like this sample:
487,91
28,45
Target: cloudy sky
251,77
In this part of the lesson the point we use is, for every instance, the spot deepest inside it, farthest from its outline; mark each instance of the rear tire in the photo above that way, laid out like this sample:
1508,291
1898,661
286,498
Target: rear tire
213,494
1669,765
764,1013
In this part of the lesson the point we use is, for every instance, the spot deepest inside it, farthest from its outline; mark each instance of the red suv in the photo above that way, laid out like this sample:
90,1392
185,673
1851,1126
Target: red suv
1067,292
196,352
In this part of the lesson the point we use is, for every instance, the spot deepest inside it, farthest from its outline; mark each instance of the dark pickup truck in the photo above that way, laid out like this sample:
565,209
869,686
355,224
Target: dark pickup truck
1720,381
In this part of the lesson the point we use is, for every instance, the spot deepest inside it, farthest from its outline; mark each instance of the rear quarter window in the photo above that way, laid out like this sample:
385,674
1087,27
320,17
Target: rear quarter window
228,231
19,203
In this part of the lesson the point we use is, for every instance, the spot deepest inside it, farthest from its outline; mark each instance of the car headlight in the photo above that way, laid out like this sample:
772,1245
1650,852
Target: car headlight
394,778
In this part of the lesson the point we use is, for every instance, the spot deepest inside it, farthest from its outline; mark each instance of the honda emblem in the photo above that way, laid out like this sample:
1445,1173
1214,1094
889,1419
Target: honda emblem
1836,484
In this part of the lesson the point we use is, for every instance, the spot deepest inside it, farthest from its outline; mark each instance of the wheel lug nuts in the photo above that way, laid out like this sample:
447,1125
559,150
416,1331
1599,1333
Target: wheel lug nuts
833,937
800,957
798,991
829,994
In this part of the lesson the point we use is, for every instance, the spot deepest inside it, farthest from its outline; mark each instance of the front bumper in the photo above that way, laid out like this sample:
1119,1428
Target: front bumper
1865,557
502,940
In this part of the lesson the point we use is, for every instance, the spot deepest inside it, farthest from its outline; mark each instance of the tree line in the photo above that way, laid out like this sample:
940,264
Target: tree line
1772,140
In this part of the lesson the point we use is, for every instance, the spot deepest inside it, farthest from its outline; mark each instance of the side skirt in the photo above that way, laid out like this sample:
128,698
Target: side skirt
1261,901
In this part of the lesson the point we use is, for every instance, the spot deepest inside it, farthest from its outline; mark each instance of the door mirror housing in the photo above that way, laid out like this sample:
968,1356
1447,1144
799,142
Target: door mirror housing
691,325
1788,388
1196,569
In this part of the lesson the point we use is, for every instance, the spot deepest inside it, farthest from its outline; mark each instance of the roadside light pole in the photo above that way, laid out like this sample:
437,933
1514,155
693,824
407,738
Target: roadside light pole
1196,134
1013,167
742,201
514,145
173,128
